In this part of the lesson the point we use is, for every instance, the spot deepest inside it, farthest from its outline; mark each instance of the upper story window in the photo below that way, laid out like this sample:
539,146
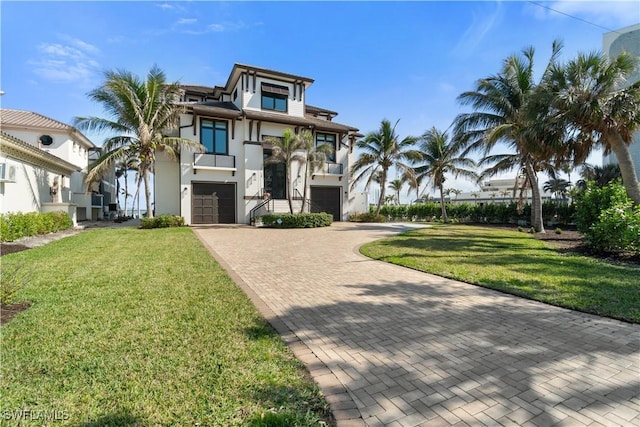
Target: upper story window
213,135
330,139
274,97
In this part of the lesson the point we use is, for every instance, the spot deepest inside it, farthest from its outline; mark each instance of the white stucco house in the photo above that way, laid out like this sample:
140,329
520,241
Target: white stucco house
43,164
230,182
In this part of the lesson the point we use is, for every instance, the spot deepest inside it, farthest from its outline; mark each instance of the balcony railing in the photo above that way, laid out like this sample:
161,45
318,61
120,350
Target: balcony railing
330,169
97,200
214,160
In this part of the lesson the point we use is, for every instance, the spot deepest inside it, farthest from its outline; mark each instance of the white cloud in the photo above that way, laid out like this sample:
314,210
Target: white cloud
71,61
606,13
186,21
480,26
221,27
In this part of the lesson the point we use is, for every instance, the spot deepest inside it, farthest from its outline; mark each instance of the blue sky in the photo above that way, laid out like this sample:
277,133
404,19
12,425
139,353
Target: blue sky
370,60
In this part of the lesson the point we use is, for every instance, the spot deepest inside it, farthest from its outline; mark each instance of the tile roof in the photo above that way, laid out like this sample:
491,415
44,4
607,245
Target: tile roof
30,119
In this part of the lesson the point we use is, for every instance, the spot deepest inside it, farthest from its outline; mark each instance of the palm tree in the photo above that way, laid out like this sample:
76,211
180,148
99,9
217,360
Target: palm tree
439,157
557,186
510,109
140,113
601,175
382,150
588,97
396,185
123,166
455,191
287,150
316,156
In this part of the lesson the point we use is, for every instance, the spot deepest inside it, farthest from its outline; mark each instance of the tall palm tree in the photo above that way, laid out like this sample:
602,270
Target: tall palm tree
140,113
590,97
123,166
316,156
382,150
288,149
439,157
396,185
509,108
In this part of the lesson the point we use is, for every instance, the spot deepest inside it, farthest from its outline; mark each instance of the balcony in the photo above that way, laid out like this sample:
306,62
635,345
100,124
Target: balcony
220,162
330,169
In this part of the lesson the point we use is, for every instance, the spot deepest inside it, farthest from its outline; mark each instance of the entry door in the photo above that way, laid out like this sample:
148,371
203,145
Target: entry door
326,199
213,203
275,178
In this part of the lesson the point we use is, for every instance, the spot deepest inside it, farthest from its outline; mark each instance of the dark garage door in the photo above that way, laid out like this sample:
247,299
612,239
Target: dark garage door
213,203
326,199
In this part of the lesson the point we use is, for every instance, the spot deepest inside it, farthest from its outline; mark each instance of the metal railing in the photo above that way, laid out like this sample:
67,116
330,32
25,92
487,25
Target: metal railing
214,160
263,207
331,169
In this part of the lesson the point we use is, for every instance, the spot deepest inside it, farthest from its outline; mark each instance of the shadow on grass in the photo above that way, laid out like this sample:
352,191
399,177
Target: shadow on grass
121,419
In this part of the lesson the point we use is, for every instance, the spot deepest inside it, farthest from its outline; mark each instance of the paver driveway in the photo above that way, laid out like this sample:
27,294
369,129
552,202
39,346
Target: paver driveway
391,346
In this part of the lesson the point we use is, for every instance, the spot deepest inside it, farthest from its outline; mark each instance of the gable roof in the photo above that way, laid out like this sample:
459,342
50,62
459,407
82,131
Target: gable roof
29,119
23,151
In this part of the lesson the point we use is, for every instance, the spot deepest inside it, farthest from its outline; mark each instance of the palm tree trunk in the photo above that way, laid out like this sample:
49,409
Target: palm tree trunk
289,187
147,192
627,168
304,191
126,191
442,206
536,200
383,184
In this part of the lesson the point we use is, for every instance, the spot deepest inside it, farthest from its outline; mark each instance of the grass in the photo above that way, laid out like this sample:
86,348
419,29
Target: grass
518,264
143,327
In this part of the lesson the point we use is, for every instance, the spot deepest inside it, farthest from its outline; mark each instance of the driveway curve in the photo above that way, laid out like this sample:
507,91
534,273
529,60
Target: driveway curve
390,346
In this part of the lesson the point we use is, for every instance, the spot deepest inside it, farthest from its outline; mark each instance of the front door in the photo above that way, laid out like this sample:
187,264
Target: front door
275,178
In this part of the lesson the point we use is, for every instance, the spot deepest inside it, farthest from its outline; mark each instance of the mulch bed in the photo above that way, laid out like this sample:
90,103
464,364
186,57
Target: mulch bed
7,312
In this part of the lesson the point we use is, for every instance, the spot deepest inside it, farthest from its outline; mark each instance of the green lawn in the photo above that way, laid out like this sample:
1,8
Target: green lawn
519,264
143,327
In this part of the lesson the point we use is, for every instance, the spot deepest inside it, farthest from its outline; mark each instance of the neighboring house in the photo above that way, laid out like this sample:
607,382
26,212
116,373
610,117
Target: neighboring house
229,182
613,44
47,161
497,191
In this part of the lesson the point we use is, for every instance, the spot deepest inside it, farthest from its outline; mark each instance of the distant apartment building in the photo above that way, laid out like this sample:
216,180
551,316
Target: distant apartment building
613,44
497,191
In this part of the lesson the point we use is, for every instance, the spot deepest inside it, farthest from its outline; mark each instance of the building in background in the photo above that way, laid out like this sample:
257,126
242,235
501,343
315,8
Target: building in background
43,164
613,44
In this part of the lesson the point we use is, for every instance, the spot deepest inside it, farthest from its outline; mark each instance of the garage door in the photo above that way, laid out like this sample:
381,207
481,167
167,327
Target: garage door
213,203
326,199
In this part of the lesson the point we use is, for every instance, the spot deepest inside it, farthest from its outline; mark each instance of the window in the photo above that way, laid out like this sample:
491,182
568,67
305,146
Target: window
274,97
330,139
213,135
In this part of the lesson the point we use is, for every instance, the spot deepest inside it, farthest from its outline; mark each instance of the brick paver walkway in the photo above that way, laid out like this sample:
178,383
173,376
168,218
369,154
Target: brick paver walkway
390,346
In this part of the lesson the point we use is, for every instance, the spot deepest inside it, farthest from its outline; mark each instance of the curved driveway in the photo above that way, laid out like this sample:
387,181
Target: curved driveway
390,346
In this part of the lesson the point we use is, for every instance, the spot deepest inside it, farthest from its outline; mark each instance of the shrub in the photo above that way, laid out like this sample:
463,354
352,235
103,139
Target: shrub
594,200
367,217
303,220
558,231
520,229
14,226
162,221
617,229
11,281
532,230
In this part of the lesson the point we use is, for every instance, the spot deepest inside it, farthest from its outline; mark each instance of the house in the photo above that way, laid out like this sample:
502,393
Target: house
43,164
230,182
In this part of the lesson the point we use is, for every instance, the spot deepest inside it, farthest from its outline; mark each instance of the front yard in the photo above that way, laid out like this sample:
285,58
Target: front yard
518,264
143,327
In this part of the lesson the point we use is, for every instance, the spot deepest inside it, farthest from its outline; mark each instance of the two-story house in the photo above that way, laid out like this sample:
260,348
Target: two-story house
44,164
231,178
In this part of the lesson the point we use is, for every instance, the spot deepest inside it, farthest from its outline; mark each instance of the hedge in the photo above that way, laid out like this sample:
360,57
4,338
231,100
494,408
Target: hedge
14,226
162,221
303,220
